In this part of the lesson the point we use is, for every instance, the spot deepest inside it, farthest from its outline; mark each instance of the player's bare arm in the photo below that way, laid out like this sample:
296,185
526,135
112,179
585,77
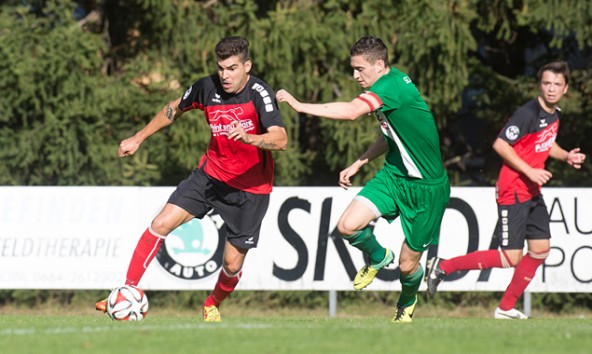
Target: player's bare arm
509,155
378,148
572,157
275,139
163,118
333,110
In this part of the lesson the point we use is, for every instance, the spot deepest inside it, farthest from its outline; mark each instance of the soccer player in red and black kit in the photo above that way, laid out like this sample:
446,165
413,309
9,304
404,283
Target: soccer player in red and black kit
234,176
524,144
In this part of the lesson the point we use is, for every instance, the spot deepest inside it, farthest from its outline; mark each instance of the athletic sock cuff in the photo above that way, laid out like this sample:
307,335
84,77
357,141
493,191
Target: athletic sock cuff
155,234
412,278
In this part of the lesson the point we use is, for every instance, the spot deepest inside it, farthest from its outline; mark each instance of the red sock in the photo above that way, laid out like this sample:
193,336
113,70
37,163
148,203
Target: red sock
224,286
474,260
147,247
523,274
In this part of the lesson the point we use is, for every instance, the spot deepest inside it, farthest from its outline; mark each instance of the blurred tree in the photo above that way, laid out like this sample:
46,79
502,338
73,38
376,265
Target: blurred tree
514,39
80,76
58,124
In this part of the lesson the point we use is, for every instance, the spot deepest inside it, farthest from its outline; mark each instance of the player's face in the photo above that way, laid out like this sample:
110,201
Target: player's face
364,72
552,87
233,74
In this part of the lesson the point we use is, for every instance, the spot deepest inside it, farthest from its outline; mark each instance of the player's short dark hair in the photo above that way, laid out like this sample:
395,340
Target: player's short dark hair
231,46
556,67
371,48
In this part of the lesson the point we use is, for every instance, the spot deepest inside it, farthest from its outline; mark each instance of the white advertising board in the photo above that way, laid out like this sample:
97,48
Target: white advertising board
83,238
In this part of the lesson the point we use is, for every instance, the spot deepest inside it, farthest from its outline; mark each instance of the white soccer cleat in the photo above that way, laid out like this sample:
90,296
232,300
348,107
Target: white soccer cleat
511,314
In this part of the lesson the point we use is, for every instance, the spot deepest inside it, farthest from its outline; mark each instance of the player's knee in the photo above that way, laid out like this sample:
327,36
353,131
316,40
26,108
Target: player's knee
233,265
162,225
159,226
539,254
408,267
512,258
345,229
232,269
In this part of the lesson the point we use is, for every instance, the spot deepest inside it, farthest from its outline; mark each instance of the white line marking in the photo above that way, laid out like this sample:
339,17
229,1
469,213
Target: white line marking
95,329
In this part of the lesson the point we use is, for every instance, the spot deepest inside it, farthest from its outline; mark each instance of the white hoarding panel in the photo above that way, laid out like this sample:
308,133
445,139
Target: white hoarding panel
83,238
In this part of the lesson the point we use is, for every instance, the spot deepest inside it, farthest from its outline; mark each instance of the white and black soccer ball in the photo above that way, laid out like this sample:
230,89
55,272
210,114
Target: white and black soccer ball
127,303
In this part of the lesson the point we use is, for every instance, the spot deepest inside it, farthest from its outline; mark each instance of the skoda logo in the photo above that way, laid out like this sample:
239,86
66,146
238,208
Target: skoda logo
194,250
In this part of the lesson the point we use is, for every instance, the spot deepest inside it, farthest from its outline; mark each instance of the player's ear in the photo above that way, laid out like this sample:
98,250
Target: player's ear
379,66
248,65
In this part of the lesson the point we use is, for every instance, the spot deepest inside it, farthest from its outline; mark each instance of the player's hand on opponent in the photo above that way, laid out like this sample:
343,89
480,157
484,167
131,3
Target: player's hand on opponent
237,132
128,147
575,158
284,96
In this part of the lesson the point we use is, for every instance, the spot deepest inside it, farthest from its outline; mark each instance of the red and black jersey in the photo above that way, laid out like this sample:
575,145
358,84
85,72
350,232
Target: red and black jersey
531,131
239,165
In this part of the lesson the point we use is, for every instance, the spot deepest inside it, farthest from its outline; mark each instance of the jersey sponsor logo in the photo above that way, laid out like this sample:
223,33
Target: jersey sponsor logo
545,139
230,114
407,80
543,123
226,118
216,98
187,93
512,132
194,250
265,95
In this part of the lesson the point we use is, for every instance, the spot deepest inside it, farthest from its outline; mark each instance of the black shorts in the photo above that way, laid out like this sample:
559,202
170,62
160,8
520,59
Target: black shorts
520,221
241,211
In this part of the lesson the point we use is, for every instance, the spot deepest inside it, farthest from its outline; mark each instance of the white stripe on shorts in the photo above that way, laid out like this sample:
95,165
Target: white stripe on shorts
367,202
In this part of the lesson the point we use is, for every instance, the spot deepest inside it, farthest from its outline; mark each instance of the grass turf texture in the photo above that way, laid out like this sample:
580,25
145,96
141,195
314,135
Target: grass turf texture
162,333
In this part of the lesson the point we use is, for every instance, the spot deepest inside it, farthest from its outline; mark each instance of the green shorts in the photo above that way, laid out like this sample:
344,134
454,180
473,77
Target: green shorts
421,205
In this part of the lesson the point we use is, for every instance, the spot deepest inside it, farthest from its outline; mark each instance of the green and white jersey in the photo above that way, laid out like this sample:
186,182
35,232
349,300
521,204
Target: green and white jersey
408,127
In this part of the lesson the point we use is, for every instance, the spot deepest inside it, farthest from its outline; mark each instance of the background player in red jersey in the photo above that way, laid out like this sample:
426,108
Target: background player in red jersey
524,144
234,176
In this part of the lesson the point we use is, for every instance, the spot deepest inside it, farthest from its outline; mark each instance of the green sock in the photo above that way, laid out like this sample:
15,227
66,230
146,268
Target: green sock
409,286
365,241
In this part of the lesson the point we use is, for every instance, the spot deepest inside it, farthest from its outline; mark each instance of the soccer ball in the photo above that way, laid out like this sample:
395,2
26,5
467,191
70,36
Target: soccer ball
127,303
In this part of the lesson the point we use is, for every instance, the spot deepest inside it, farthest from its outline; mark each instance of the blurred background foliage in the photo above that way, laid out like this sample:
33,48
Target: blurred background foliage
79,76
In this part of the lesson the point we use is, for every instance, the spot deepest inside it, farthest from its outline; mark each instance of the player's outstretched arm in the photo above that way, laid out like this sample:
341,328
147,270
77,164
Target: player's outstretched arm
163,118
333,110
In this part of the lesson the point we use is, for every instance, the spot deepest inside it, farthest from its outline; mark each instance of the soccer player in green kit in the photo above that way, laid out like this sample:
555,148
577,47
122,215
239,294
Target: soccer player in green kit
412,184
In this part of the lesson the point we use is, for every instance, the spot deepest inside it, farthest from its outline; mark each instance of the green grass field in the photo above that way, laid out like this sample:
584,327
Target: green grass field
162,333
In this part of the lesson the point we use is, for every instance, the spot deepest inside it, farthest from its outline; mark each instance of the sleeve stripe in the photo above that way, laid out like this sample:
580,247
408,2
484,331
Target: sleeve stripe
371,99
194,105
366,101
